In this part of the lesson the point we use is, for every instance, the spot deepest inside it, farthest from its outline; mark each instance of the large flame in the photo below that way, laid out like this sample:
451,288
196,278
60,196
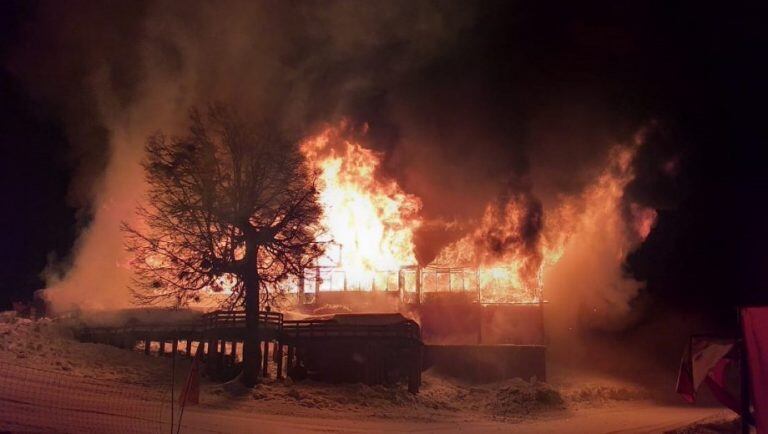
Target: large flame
370,223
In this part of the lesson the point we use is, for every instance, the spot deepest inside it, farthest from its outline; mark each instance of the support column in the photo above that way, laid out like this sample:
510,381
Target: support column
289,360
211,358
414,374
174,347
418,285
222,354
188,349
162,347
147,345
265,365
279,360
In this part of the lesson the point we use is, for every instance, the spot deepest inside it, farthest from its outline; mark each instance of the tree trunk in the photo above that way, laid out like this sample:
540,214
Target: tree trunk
251,350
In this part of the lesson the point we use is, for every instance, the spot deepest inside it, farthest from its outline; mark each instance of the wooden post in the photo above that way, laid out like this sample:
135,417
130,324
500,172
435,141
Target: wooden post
222,354
279,359
162,347
234,352
414,376
188,350
210,356
147,345
744,370
265,365
480,312
418,285
174,347
289,360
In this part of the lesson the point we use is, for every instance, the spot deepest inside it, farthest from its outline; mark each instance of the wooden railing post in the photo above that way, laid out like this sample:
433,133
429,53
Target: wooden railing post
414,374
289,360
265,366
279,359
210,356
222,354
234,352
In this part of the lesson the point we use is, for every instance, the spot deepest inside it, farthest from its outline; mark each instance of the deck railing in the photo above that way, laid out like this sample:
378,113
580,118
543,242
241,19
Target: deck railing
236,319
305,329
296,330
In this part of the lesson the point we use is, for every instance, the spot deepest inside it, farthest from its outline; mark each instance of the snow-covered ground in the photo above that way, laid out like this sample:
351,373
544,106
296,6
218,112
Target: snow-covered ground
44,362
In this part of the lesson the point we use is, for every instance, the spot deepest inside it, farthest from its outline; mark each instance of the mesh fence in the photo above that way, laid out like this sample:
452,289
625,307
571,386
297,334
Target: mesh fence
36,400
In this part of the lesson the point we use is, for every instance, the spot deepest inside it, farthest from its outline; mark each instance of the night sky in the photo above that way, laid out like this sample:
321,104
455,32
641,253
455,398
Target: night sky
697,71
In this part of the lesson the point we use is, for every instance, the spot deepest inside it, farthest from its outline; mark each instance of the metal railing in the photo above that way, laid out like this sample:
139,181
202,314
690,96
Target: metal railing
413,283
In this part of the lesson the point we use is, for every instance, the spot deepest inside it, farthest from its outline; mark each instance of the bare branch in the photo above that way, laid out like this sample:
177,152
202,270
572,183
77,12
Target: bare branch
228,202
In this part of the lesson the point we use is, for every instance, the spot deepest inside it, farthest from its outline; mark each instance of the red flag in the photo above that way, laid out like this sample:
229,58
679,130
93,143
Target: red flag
702,355
754,322
716,383
685,385
191,392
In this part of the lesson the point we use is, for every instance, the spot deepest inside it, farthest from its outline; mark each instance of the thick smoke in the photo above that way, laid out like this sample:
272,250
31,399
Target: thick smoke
119,72
464,111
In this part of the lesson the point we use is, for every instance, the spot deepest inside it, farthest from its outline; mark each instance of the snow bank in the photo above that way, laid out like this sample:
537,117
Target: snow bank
49,344
440,399
717,426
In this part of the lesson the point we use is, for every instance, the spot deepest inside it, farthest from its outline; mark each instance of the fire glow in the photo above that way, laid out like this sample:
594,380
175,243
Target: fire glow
370,225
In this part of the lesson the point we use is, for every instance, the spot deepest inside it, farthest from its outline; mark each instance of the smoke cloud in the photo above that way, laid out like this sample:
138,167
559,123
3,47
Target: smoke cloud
464,111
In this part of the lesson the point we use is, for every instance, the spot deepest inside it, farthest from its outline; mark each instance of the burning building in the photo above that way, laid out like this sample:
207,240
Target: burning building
480,297
476,301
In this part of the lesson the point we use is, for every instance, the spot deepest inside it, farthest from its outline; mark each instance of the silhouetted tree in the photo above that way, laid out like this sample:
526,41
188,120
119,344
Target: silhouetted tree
232,206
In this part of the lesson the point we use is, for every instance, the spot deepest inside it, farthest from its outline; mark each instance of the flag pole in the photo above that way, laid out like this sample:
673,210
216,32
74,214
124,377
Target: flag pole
744,367
173,379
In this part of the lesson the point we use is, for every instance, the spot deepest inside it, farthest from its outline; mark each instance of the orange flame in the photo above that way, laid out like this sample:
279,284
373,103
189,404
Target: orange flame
370,224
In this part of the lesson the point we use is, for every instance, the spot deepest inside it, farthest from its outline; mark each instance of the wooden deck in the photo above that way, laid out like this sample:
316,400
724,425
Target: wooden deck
335,351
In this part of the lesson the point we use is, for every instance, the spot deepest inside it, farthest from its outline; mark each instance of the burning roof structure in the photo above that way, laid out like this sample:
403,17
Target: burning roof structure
371,227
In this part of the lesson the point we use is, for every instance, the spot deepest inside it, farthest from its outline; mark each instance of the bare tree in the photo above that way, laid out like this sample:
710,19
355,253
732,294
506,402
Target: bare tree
232,207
